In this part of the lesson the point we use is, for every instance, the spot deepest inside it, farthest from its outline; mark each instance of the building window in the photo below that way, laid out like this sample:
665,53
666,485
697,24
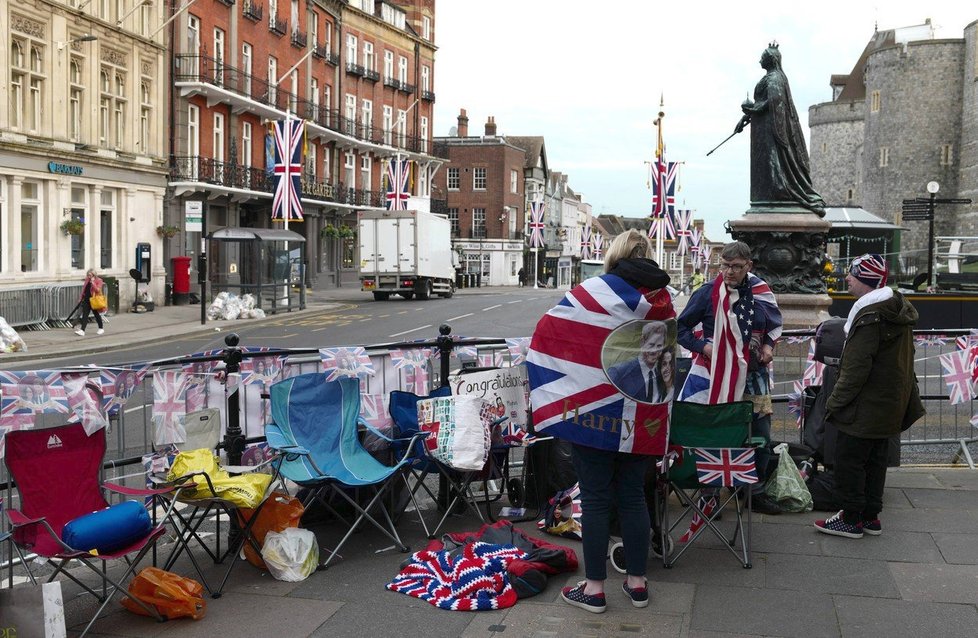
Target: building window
874,102
388,123
478,222
145,118
30,204
367,117
327,176
311,162
423,132
314,94
219,56
76,100
105,216
246,57
947,155
272,80
349,168
514,181
453,218
351,49
368,56
388,65
401,128
246,148
453,181
79,212
426,28
218,150
479,179
366,166
884,156
425,79
351,114
26,85
193,138
851,193
402,75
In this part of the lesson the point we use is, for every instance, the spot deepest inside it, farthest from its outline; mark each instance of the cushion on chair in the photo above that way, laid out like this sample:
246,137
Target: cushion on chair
108,530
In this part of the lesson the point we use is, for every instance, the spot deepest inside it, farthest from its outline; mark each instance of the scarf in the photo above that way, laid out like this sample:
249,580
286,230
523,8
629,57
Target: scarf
871,297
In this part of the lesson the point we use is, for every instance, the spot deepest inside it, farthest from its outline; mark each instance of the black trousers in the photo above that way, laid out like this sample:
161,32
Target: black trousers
860,475
86,308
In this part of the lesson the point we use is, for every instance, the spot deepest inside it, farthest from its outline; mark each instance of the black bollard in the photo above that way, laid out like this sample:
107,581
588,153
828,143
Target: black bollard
234,439
445,345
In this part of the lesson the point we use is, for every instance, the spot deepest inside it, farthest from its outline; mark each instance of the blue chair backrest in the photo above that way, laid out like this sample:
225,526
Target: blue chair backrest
404,413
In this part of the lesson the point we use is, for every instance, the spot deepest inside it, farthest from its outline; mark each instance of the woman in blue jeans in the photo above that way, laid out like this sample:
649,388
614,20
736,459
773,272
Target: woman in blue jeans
610,477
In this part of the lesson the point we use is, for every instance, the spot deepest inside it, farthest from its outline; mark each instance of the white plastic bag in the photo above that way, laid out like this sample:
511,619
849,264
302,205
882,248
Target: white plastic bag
10,341
291,555
460,430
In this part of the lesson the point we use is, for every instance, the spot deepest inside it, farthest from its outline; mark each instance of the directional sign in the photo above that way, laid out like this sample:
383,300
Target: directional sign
909,209
917,218
912,201
937,200
954,201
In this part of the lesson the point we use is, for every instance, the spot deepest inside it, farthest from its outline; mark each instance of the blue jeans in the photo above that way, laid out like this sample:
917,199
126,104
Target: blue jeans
604,476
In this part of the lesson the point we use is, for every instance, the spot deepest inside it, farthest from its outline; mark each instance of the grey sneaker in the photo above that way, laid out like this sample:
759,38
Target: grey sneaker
80,332
100,331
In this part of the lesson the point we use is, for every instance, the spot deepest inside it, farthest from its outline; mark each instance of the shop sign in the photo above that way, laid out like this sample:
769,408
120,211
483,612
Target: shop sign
64,169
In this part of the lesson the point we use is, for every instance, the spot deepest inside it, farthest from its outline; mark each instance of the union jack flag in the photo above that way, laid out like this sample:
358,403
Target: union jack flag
346,362
725,467
684,222
119,385
597,242
261,370
795,401
287,200
695,250
32,392
169,406
664,188
957,375
536,224
397,184
85,400
374,411
664,225
571,394
930,340
586,242
517,350
411,358
814,369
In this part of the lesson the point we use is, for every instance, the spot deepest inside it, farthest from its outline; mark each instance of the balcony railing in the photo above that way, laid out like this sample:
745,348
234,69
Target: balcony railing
354,69
276,26
392,82
252,10
210,171
299,39
428,96
373,76
320,51
229,3
478,232
206,70
407,88
440,207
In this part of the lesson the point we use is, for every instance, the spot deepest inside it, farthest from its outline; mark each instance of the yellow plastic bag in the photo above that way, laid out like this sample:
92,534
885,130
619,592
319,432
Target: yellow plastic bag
246,490
98,302
173,596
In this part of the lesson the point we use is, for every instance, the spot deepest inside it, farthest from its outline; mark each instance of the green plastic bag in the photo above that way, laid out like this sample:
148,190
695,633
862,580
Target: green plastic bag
786,485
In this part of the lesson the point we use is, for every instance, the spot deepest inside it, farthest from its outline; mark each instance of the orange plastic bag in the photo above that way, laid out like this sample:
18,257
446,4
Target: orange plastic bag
173,596
279,512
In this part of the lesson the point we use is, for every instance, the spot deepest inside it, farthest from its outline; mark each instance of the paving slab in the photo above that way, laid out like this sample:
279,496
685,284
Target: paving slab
954,521
965,479
904,478
861,616
785,538
763,612
958,549
905,547
941,498
830,575
712,566
560,619
936,583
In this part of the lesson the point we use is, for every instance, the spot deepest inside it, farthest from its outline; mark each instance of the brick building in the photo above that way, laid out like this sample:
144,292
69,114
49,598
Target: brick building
360,73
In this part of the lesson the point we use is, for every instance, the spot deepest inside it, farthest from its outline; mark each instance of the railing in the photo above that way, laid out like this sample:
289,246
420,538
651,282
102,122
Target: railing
276,26
392,82
229,3
208,70
369,74
428,96
320,51
252,10
299,38
354,69
407,88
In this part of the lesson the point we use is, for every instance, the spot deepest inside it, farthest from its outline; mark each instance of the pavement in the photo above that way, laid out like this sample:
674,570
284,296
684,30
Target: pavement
918,578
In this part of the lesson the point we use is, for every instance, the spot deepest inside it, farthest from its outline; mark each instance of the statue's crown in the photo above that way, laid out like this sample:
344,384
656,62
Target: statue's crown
773,45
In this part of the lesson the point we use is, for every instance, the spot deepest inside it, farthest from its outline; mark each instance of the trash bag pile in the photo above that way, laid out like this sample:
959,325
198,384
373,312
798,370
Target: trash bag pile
229,306
10,341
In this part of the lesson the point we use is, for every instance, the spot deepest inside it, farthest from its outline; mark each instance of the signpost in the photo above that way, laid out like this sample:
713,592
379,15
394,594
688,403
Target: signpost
921,209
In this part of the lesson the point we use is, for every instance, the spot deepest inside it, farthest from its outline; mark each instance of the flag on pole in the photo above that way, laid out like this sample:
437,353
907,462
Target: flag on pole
597,242
586,242
957,375
664,189
695,250
536,224
684,219
287,200
397,184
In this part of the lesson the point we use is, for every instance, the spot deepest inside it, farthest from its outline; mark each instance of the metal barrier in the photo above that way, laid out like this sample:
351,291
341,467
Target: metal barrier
62,300
23,306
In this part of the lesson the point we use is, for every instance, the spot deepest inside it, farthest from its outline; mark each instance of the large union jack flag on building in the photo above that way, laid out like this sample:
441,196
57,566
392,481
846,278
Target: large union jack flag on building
664,188
571,394
397,184
725,467
287,199
536,224
586,242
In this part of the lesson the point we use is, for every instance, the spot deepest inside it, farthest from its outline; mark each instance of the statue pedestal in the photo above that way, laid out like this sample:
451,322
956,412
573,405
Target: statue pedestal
788,249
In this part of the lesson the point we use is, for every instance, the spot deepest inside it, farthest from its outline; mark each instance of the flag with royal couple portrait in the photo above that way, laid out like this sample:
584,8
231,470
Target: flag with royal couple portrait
601,367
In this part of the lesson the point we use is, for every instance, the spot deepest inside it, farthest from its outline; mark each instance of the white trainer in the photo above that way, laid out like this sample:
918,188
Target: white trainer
100,331
80,332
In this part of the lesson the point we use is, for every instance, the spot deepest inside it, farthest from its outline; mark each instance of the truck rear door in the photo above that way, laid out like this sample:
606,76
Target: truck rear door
386,246
406,249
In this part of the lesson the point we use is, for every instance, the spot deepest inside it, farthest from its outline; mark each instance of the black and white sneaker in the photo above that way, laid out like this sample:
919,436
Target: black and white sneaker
837,526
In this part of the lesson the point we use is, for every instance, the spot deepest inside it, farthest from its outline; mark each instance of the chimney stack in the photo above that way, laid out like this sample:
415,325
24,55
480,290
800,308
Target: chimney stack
463,123
491,127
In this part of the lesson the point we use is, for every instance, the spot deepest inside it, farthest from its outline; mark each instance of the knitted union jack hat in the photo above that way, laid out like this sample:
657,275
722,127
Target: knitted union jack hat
871,269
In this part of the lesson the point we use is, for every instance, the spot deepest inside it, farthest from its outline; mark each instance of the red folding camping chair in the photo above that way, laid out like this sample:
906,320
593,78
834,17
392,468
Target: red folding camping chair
57,473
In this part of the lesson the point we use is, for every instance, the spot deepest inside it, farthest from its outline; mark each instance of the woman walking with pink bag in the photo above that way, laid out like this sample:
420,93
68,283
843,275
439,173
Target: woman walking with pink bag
93,286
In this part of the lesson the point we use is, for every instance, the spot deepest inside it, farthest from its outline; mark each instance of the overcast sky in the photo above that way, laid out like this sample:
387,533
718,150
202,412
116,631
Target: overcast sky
588,76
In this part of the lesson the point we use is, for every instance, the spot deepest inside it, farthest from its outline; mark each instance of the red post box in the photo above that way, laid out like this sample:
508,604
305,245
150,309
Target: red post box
181,280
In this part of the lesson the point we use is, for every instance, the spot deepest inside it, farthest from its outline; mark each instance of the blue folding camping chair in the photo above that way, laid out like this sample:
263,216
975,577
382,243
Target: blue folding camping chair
316,428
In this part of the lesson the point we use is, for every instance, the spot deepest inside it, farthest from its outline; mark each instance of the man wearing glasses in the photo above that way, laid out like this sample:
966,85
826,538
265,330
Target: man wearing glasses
731,326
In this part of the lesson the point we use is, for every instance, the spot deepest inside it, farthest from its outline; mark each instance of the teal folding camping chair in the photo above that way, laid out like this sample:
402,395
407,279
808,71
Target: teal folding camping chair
718,435
315,428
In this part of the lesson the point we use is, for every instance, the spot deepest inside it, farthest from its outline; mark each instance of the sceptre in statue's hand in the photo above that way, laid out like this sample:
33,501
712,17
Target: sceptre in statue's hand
741,125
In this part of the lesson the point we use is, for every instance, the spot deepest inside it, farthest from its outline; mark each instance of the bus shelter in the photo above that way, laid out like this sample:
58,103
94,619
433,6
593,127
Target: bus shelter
265,262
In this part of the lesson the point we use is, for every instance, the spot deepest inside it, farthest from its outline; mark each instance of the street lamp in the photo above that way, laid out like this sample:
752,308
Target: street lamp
932,188
88,37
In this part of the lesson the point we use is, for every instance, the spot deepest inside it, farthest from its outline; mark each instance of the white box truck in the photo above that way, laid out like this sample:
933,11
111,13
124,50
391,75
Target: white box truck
406,252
